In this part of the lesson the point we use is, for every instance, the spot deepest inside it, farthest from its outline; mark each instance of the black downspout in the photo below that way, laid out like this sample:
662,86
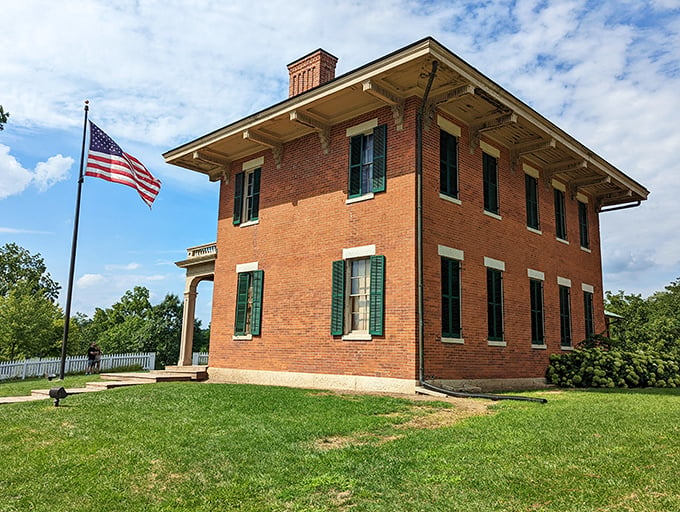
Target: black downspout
419,261
419,220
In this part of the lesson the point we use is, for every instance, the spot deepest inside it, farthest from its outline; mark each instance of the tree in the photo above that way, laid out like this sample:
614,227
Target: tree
134,325
651,324
4,116
17,265
27,324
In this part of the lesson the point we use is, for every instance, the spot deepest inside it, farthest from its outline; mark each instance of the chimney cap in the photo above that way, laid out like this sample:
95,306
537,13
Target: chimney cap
298,60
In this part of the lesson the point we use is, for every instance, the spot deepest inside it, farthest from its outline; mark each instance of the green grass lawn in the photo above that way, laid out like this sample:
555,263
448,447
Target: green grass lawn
214,447
24,387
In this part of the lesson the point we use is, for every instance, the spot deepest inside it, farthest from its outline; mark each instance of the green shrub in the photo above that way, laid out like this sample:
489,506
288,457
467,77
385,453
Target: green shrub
600,367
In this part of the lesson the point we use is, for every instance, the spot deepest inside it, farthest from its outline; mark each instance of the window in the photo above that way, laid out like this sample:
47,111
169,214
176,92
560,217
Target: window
448,164
249,303
588,313
494,292
451,317
358,296
565,316
537,331
246,196
531,193
490,171
367,162
560,216
583,224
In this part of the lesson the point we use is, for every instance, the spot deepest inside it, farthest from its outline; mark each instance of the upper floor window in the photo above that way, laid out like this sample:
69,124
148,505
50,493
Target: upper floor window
531,193
490,171
448,164
583,225
246,196
560,215
367,172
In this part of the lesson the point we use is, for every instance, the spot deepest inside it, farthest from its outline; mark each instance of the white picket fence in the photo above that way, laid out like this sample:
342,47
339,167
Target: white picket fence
38,367
199,358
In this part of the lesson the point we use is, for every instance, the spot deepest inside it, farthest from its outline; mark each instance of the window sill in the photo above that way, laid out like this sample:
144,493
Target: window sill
365,197
246,337
497,343
562,240
563,347
585,249
453,341
537,231
492,215
357,336
539,347
249,223
450,199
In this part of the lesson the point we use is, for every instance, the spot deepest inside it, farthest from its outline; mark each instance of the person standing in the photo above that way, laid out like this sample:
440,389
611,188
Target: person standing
91,357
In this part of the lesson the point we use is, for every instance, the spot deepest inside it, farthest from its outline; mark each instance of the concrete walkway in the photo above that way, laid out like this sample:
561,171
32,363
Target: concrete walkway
117,380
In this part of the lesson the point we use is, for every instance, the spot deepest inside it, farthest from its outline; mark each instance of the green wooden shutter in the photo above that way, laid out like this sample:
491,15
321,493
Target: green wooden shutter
490,171
241,303
256,195
355,165
238,198
256,315
338,299
377,299
379,158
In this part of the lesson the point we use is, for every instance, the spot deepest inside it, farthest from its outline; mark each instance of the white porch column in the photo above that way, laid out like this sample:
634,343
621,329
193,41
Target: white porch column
187,344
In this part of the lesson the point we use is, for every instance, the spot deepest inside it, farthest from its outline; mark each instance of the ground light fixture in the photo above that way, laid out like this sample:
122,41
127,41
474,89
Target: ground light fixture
58,394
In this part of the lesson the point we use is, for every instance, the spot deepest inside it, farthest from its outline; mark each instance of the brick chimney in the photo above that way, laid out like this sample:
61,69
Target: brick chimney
311,70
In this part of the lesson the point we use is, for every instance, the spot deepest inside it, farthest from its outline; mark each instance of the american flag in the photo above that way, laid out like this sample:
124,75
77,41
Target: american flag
108,161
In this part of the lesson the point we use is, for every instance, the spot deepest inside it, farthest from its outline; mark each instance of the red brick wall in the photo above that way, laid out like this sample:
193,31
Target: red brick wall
465,227
304,224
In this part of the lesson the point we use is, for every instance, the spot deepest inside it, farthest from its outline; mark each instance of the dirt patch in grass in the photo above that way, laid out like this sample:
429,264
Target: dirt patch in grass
418,417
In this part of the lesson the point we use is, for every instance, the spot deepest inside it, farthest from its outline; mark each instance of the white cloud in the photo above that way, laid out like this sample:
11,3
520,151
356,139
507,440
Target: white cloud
18,231
54,170
128,266
90,280
14,178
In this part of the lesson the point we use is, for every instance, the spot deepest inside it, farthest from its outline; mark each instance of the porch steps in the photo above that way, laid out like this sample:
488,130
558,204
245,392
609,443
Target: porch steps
197,372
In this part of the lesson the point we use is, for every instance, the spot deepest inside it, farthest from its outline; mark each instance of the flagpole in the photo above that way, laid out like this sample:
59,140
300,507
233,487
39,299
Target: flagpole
69,292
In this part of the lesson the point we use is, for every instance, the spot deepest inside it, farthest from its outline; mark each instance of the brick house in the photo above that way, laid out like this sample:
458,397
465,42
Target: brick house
409,221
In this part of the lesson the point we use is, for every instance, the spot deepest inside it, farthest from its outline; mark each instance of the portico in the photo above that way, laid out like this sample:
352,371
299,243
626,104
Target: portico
200,266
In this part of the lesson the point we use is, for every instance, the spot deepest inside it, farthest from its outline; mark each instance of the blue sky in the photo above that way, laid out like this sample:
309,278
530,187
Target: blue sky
161,73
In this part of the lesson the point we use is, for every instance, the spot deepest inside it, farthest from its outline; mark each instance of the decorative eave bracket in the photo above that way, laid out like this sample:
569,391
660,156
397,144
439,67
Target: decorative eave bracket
322,129
262,140
389,98
490,124
562,167
576,185
519,151
224,164
447,97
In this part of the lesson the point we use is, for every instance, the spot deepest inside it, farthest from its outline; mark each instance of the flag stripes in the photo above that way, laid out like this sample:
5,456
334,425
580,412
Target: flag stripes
108,161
